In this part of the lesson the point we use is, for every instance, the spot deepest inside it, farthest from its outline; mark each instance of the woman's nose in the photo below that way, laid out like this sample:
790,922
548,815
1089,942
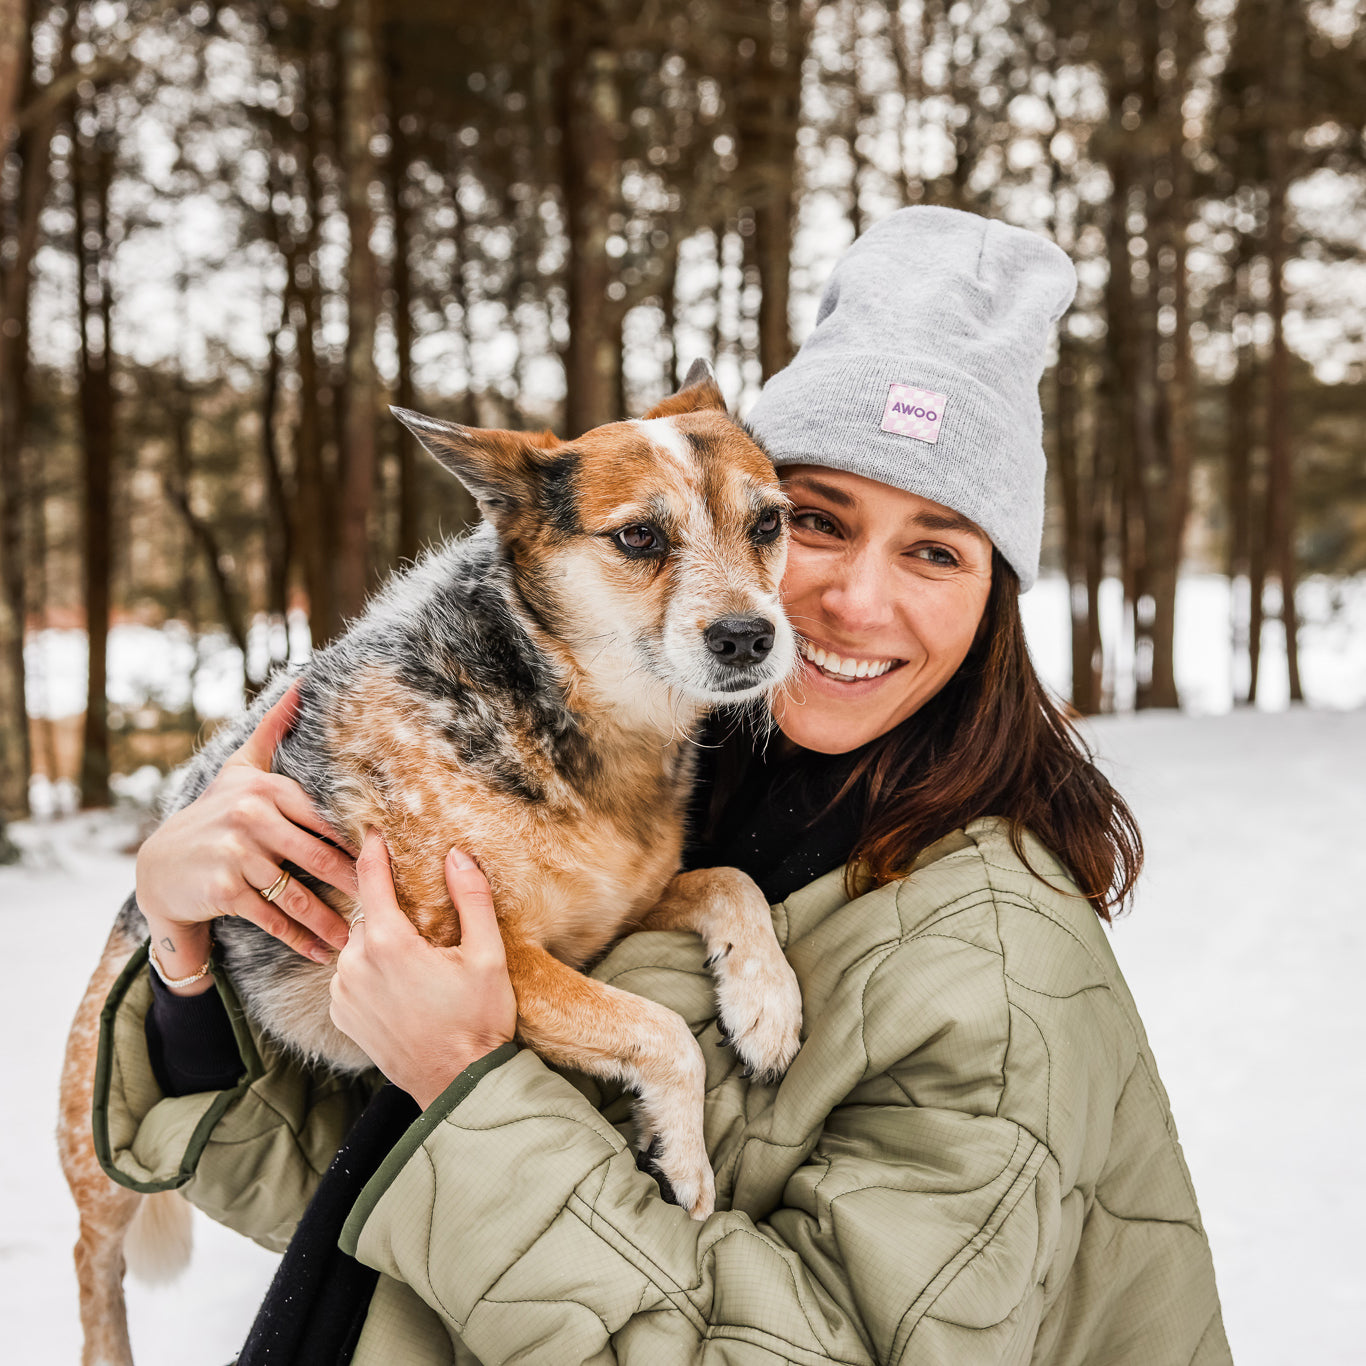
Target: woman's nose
859,595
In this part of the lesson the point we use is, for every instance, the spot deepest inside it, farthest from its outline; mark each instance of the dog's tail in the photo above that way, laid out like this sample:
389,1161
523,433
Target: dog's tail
160,1239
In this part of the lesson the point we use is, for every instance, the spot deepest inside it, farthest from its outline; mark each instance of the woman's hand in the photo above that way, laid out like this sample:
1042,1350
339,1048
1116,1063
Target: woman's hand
217,855
423,1013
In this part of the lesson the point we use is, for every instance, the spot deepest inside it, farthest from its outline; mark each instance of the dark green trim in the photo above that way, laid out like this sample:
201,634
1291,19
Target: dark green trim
417,1134
251,1063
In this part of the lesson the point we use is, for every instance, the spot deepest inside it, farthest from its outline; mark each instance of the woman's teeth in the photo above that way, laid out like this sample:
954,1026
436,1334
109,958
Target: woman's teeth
831,664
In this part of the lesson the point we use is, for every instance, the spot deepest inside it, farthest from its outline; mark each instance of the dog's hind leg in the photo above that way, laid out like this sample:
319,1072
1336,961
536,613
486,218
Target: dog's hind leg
106,1210
758,1000
573,1021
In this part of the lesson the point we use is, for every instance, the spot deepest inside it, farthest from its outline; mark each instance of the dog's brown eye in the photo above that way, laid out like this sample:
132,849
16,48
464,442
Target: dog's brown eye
640,539
766,528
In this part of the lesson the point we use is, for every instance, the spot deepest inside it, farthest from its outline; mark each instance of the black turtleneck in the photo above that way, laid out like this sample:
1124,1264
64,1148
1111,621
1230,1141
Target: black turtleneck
778,823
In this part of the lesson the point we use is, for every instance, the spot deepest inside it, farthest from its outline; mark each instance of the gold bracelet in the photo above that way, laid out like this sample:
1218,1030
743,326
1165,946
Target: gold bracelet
176,981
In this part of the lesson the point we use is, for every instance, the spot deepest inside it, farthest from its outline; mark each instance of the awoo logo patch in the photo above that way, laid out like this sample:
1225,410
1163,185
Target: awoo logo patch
916,413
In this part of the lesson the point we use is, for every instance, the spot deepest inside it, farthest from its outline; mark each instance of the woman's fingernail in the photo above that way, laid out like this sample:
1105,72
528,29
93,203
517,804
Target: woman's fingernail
320,955
460,858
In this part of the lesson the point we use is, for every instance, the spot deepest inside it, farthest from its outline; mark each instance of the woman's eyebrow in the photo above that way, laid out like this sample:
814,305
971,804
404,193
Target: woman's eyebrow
946,521
925,521
832,492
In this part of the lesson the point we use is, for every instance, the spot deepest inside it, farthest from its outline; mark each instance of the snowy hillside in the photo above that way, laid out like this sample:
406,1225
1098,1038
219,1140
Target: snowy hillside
1244,955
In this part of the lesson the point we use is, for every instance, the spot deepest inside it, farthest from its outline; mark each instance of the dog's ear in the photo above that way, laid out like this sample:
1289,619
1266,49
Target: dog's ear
497,467
700,390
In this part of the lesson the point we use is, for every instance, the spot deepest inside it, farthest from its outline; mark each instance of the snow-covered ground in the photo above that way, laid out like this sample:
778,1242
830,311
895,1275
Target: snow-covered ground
1245,955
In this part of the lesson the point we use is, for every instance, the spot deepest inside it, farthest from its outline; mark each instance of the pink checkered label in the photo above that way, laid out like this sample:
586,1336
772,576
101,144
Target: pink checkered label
912,412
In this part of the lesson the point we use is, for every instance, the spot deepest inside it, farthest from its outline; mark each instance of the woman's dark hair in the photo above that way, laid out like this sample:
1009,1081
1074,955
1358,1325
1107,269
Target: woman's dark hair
992,742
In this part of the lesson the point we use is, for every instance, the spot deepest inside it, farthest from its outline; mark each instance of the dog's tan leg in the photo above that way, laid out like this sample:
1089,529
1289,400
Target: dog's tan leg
576,1022
105,1209
758,999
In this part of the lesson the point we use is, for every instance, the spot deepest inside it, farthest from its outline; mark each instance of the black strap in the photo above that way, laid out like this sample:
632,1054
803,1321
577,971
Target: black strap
314,1311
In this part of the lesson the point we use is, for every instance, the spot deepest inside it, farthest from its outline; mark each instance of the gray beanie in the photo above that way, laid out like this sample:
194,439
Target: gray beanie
923,370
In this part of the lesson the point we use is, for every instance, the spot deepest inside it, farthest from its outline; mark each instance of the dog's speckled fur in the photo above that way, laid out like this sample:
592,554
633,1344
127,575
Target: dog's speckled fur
529,693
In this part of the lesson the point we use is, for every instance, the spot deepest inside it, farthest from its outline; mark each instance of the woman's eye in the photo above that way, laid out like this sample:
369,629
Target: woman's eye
639,537
813,521
937,554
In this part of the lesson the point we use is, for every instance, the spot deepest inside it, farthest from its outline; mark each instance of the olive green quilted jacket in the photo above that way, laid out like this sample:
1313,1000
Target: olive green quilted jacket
971,1160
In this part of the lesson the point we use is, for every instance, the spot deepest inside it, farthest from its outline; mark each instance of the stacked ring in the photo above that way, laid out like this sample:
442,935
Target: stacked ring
270,893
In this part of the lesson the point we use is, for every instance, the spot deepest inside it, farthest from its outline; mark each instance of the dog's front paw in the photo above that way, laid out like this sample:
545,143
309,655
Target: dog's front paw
760,1008
692,1184
682,1170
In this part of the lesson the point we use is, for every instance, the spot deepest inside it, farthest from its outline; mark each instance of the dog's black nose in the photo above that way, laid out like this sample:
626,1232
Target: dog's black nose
739,640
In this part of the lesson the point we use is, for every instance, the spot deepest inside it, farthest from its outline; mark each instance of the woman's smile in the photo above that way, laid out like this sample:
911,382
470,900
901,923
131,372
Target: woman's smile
844,670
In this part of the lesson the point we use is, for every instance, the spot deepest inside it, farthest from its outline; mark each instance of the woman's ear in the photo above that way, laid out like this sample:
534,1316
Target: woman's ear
700,390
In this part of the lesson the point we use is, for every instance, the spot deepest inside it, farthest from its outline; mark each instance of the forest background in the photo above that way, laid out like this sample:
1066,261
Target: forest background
232,233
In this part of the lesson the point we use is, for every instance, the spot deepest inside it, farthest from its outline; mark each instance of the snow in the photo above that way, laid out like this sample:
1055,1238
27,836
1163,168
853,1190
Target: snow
1243,953
56,909
164,666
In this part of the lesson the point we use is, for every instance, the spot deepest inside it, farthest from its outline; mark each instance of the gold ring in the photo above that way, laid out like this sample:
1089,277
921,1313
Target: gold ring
275,888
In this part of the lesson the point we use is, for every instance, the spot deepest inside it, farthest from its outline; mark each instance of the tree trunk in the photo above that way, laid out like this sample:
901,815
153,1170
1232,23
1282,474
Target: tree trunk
911,85
1068,463
408,539
590,115
360,109
717,338
92,169
315,484
1282,79
668,307
31,149
1169,483
1241,394
1122,367
854,112
278,541
231,610
768,113
16,22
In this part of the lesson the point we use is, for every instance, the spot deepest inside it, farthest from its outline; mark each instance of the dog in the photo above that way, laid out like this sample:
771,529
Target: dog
529,693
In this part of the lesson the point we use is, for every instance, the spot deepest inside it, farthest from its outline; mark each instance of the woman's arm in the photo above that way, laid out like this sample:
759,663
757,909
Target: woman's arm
908,1234
177,1062
249,1155
248,1144
201,863
517,1211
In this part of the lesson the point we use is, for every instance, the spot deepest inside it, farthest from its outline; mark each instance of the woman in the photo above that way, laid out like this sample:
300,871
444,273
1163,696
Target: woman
971,1159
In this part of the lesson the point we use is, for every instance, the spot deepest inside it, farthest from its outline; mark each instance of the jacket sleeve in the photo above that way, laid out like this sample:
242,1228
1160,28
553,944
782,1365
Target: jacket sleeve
249,1156
908,1233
